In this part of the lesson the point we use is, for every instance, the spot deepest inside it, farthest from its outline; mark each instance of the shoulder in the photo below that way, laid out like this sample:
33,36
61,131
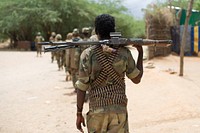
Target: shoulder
87,53
124,51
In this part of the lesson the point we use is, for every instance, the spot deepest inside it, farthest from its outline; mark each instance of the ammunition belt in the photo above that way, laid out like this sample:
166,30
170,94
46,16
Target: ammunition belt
111,94
105,96
107,68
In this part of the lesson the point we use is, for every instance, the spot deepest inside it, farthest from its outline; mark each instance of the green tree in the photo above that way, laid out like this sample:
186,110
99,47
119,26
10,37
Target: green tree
125,22
21,20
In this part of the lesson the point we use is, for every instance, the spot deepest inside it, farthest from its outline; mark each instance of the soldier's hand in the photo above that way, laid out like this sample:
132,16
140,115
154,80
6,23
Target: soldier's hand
80,120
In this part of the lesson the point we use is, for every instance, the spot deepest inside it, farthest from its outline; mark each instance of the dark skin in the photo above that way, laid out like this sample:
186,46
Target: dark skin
81,94
139,64
80,101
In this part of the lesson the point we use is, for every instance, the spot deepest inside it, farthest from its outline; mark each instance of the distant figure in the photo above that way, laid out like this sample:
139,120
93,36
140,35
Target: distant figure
38,39
75,56
68,58
86,33
59,53
86,37
52,39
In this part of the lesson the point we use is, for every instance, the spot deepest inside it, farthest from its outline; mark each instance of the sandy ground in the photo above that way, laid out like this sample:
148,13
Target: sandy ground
33,96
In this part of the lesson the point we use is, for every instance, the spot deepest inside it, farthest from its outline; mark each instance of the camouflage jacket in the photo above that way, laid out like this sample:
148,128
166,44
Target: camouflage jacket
89,67
89,70
39,39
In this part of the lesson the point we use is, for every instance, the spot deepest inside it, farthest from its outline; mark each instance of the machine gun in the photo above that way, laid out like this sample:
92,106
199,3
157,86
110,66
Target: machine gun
115,41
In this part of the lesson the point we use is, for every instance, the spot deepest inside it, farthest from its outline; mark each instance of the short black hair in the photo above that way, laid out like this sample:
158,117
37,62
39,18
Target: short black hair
104,24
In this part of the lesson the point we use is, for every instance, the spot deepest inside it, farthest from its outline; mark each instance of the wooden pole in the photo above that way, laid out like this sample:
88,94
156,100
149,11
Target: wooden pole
184,36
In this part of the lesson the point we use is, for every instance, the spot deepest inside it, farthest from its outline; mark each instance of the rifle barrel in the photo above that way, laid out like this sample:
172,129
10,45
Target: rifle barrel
157,42
113,41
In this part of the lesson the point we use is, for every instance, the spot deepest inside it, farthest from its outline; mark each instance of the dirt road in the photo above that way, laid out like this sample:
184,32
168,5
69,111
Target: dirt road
33,96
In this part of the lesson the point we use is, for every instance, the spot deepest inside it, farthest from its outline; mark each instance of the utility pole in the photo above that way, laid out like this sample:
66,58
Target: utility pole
184,36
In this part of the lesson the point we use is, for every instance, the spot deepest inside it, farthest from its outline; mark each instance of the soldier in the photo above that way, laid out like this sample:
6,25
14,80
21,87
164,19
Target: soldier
86,37
68,58
86,33
52,39
59,53
75,56
102,73
38,39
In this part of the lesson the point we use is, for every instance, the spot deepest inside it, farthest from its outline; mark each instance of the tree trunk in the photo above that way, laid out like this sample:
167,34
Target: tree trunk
184,36
170,5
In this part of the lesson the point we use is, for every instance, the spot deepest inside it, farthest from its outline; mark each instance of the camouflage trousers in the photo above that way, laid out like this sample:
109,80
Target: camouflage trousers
107,122
39,49
59,58
53,56
74,74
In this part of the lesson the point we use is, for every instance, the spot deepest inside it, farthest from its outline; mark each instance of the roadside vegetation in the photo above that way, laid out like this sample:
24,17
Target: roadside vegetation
20,20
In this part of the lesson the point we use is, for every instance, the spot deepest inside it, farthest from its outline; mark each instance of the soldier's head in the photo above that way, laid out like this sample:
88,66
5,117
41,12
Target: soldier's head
38,33
104,24
85,31
69,36
53,34
58,37
75,32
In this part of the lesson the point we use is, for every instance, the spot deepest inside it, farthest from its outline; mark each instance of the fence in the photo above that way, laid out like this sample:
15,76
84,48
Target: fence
192,46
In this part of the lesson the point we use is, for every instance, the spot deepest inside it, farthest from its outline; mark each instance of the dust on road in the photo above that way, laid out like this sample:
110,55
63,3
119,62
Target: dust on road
33,96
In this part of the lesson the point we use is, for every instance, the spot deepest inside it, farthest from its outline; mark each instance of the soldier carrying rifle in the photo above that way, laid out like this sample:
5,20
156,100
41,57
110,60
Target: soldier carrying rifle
102,73
37,40
52,38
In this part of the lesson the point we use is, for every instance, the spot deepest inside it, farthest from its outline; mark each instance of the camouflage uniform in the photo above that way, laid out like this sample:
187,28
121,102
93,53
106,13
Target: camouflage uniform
59,54
86,33
38,39
77,52
75,57
86,37
68,58
111,118
52,39
94,38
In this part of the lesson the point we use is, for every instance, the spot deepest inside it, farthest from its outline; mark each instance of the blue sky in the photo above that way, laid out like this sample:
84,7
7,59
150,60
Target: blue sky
135,6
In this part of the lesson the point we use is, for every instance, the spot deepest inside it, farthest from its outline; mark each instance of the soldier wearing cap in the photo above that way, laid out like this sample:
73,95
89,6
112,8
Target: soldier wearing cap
86,33
75,56
52,39
38,39
86,37
59,53
68,58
